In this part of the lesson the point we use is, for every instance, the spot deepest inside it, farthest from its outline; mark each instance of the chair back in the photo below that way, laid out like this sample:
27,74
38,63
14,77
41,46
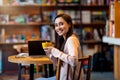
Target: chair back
85,67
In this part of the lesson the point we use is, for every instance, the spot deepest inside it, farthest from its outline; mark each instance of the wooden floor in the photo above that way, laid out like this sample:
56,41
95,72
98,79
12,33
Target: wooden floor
8,77
14,76
94,76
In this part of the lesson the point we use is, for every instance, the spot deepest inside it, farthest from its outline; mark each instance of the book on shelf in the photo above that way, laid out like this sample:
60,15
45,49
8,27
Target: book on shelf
26,2
4,18
48,16
2,35
89,33
112,10
65,1
107,27
75,15
47,33
38,1
86,17
52,38
53,15
111,29
111,25
97,35
68,1
98,2
45,2
78,32
9,2
20,19
24,19
36,18
98,16
95,2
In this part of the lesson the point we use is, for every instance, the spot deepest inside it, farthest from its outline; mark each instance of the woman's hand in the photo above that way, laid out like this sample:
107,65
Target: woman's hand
52,51
48,50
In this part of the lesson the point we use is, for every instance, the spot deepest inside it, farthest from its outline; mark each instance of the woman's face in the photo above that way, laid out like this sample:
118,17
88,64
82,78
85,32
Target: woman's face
61,26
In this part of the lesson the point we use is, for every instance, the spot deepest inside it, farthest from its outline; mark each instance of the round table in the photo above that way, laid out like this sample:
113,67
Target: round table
28,60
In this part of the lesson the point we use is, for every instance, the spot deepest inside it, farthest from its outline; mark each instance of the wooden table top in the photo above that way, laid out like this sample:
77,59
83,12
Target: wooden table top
29,60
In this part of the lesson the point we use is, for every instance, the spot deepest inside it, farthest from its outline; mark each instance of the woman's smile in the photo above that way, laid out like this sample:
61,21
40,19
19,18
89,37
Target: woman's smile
60,31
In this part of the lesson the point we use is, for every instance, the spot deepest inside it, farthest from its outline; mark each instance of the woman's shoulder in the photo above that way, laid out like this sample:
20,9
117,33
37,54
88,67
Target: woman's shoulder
73,37
73,40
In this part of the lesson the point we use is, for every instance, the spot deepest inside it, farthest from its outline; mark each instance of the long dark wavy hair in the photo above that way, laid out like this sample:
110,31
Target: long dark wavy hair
60,40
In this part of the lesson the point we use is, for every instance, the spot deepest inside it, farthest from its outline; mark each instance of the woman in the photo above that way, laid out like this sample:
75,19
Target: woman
68,47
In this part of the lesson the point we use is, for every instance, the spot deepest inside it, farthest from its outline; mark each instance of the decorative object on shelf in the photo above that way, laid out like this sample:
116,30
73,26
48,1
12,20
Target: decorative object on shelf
45,32
4,19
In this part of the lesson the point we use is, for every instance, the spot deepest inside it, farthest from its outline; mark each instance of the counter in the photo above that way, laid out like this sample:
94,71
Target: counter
116,43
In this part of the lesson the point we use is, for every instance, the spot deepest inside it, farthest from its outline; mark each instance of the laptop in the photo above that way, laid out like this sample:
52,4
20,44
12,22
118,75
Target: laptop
35,48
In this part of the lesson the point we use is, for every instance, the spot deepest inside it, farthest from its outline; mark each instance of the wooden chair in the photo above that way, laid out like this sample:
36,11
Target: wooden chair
84,61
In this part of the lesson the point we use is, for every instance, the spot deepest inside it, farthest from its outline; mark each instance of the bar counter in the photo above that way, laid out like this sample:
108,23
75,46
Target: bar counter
116,43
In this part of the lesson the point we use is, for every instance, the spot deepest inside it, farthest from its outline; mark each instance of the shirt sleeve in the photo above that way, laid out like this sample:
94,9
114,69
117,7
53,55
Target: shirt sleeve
53,59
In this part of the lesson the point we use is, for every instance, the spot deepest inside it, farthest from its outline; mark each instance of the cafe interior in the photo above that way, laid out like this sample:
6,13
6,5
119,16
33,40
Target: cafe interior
26,26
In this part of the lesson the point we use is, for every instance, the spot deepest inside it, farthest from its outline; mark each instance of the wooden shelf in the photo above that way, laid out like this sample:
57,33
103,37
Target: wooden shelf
68,7
27,24
91,42
33,24
84,7
95,7
93,25
13,43
29,9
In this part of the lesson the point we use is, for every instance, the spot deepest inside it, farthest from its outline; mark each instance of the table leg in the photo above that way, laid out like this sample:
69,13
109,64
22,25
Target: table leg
31,71
19,71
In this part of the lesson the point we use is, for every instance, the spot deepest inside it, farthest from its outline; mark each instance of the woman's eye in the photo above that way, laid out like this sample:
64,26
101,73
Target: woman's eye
60,23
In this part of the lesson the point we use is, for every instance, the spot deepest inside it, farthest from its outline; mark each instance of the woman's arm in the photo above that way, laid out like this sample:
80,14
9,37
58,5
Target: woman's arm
52,58
71,51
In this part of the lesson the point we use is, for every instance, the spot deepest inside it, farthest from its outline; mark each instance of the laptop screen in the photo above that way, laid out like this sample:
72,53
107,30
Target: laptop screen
35,48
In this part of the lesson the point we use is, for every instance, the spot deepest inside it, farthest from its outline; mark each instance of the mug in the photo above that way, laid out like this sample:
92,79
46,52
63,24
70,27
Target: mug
46,44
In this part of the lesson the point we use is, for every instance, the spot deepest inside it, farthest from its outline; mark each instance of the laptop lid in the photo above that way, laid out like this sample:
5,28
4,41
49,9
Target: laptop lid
35,48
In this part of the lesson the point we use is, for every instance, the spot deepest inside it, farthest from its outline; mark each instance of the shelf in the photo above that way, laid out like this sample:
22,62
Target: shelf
68,7
95,7
27,24
77,25
83,7
91,42
12,43
93,25
31,24
30,9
